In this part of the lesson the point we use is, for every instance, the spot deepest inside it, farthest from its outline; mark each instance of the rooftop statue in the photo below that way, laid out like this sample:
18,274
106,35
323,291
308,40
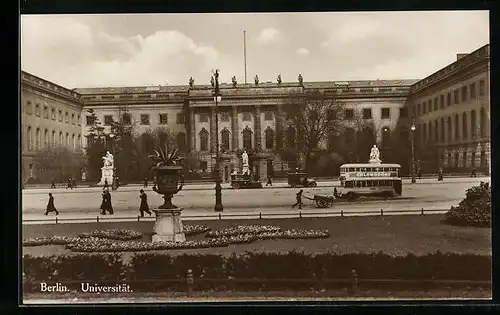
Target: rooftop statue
301,80
256,80
191,82
279,78
233,80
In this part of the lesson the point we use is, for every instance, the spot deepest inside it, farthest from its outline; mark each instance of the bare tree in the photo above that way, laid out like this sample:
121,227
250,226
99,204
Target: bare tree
313,116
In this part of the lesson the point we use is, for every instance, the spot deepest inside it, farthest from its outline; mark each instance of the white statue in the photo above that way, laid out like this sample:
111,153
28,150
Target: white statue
108,160
244,156
374,154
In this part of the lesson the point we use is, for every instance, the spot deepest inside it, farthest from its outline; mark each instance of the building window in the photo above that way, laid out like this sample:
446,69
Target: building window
73,143
449,129
67,139
448,99
37,139
436,131
203,140
73,119
203,117
37,110
126,119
79,120
349,114
224,116
247,116
60,116
203,166
441,101
424,107
61,138
225,139
30,139
403,112
332,114
473,124
386,112
424,133
435,103
482,123
367,113
53,114
163,119
464,93
53,138
457,128
464,126
247,138
79,145
443,137
483,159
46,139
290,137
268,115
181,141
455,97
482,87
180,119
145,119
29,108
269,138
89,120
429,106
473,90
108,120
46,112
66,117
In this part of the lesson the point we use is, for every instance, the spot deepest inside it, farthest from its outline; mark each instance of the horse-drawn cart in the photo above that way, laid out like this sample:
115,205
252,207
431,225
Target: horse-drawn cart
322,201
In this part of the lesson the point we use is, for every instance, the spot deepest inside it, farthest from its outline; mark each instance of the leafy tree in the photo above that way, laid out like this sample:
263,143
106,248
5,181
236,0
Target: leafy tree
314,117
58,163
95,148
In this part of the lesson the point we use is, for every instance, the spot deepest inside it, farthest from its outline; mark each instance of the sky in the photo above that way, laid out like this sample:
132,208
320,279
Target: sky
167,49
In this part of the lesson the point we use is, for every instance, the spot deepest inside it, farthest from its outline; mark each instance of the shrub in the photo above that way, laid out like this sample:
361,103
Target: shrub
474,210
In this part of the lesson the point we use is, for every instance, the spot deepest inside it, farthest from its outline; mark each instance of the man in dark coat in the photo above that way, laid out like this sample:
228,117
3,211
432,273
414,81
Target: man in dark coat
109,206
70,184
106,202
144,207
145,182
50,205
53,184
299,199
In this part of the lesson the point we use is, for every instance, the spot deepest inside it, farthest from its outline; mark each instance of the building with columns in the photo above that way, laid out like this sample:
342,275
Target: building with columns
451,112
251,115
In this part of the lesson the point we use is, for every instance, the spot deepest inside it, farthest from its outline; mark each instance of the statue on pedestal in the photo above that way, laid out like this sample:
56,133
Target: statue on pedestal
375,155
244,157
191,82
233,80
279,79
108,160
107,170
256,79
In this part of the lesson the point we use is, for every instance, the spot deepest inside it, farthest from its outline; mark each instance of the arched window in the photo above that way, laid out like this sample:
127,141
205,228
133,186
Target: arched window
457,128
225,139
424,131
464,126
46,139
247,138
37,139
290,137
482,123
181,141
61,138
79,145
386,136
443,136
269,138
473,124
73,144
449,128
203,140
67,140
53,138
30,139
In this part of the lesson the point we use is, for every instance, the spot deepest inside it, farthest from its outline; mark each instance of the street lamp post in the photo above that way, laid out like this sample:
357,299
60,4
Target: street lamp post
218,189
412,129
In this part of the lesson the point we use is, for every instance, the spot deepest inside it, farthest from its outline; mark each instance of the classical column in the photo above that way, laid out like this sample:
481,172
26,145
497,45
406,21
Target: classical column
192,129
213,132
257,127
234,128
279,127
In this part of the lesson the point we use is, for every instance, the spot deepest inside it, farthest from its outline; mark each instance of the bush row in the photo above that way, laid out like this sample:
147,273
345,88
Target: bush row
254,265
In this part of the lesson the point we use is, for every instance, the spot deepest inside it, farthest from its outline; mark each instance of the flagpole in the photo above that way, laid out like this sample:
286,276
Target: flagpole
245,53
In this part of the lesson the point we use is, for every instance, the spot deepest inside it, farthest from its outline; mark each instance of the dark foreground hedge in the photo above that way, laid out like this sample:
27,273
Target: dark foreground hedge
154,271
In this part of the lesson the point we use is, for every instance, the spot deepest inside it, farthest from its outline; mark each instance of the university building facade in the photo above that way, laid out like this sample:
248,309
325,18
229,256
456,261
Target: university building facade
251,115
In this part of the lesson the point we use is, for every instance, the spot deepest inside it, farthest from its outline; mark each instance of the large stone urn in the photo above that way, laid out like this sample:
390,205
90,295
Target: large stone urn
168,226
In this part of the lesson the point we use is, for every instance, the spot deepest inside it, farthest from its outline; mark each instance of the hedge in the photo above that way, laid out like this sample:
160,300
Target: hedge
170,271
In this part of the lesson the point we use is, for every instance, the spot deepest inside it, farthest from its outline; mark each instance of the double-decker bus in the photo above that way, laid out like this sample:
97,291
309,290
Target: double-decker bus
370,179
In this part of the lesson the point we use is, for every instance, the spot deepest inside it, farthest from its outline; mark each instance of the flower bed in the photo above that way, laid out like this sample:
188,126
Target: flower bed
193,229
121,240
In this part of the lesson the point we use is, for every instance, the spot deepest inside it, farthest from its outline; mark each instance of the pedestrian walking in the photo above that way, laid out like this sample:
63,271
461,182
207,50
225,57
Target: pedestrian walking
106,202
70,184
145,182
50,205
73,183
269,180
299,199
53,184
335,192
440,174
473,173
144,207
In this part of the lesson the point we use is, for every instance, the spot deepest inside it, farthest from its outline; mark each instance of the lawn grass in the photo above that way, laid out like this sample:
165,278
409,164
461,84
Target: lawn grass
394,235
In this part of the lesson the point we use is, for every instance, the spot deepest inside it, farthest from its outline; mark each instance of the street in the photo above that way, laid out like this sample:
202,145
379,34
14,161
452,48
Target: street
199,199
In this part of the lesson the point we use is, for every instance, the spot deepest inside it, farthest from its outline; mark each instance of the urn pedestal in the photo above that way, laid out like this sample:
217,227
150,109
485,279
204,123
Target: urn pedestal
106,173
168,226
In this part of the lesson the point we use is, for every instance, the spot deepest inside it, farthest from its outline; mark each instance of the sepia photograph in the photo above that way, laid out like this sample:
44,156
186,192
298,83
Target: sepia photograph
222,157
